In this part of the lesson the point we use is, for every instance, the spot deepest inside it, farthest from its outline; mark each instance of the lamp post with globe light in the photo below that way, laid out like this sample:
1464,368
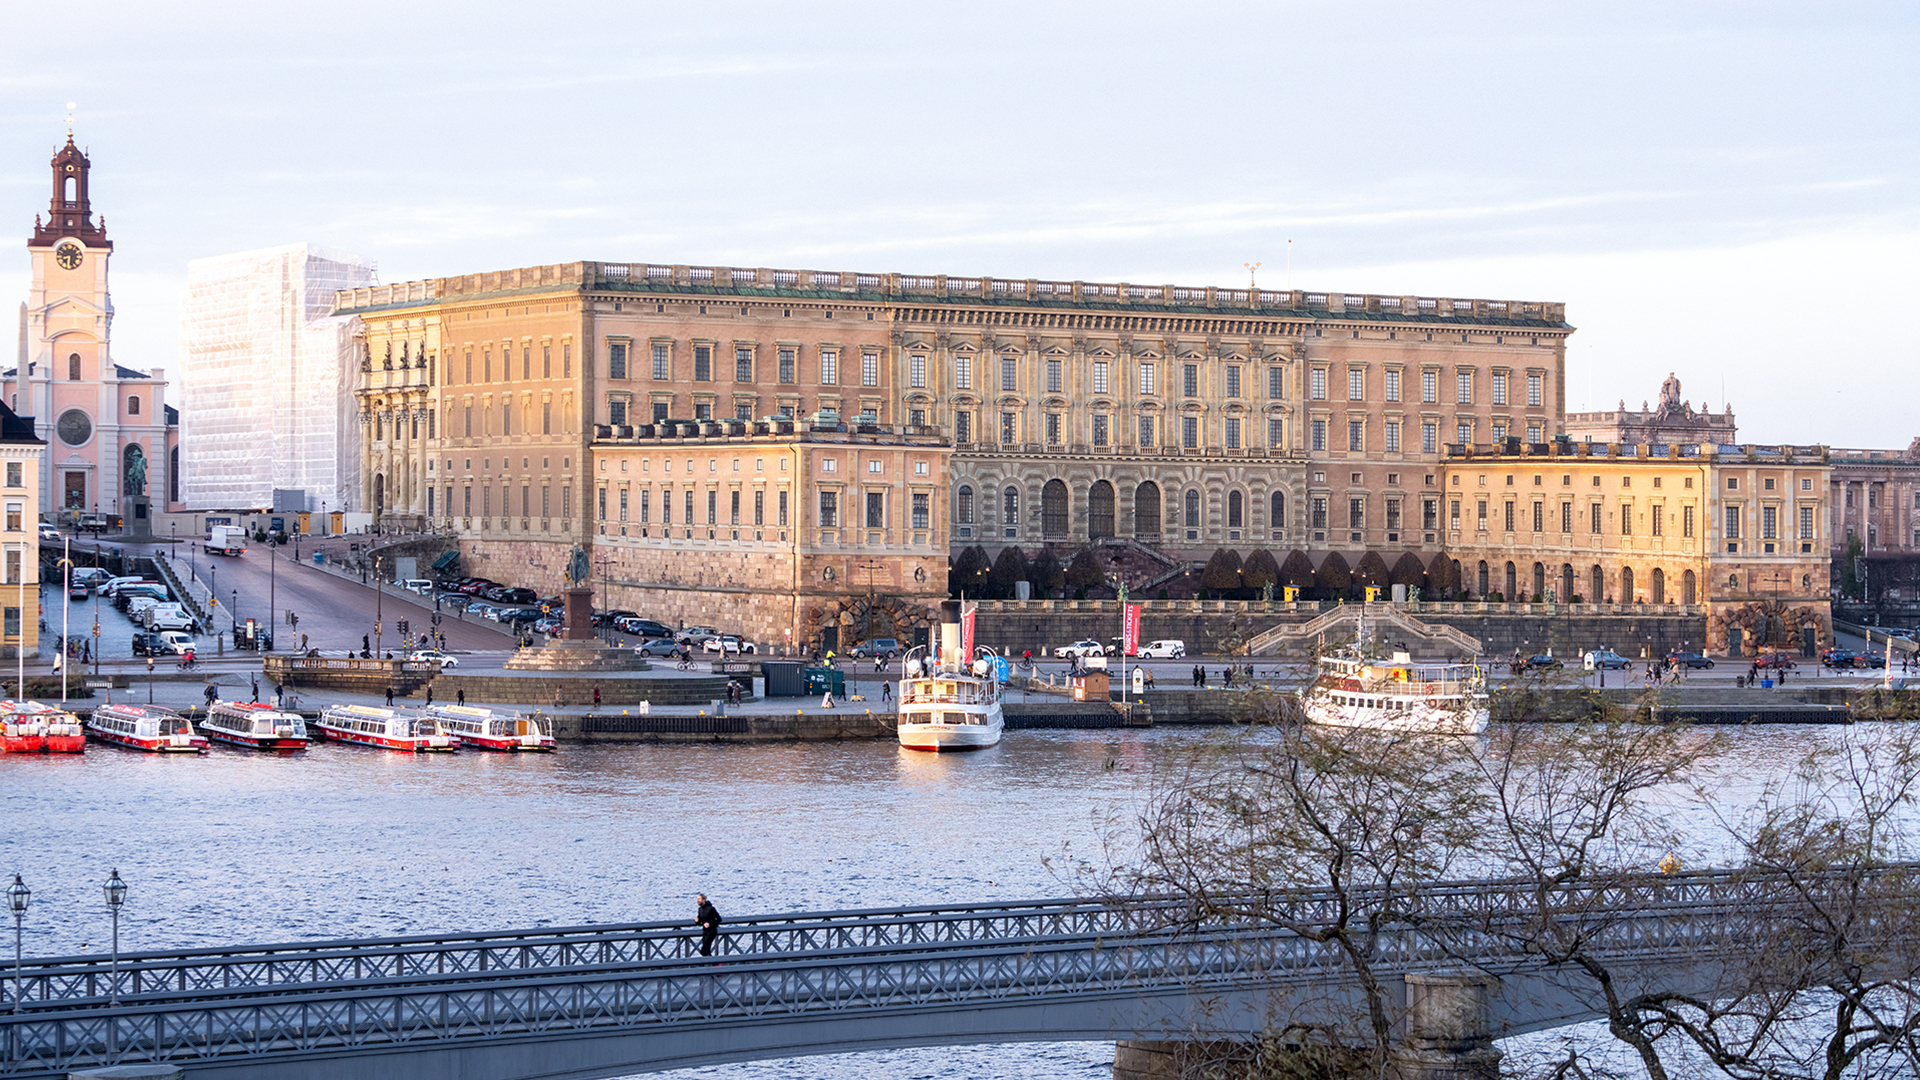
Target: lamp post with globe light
115,891
17,896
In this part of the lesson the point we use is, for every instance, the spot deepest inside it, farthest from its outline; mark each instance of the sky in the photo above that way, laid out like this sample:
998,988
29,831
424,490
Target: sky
1725,191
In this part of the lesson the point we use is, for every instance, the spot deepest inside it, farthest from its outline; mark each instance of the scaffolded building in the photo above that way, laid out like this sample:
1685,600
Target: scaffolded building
267,379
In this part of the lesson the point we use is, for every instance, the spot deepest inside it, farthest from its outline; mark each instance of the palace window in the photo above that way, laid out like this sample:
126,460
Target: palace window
963,506
1393,513
616,359
922,510
1356,435
1533,392
1769,523
742,364
1539,517
1190,432
1626,519
1317,384
1146,431
1276,432
787,365
1499,388
1566,517
133,405
1393,436
1100,376
1008,427
616,410
1806,523
1430,387
1464,429
963,427
1233,433
1393,386
1053,429
1429,437
1100,430
917,371
1233,380
1009,373
1659,523
1463,388
1317,514
963,373
1276,382
1430,513
661,368
1733,522
1146,378
1190,380
1356,385
1053,376
829,508
829,367
1319,436
869,369
1356,513
703,363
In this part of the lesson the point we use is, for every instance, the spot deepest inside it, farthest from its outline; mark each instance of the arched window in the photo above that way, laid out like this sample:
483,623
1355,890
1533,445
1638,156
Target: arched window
963,505
73,368
1539,579
1626,585
1236,512
1099,510
1193,508
379,494
173,475
1688,589
1596,585
1277,523
1657,585
1010,510
1053,509
1483,590
1566,583
133,405
1513,584
1146,510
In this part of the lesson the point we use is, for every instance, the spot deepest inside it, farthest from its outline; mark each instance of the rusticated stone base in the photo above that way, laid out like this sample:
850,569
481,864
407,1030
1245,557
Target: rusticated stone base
582,656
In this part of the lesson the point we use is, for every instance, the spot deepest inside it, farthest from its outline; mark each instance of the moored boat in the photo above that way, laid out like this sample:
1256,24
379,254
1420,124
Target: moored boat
1354,690
413,730
250,723
950,710
145,727
30,727
495,729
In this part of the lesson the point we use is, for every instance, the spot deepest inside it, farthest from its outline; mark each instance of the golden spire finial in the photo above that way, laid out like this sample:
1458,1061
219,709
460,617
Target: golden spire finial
1253,270
69,121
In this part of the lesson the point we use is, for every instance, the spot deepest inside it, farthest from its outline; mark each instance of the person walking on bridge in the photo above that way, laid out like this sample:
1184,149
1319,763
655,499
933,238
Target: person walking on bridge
709,919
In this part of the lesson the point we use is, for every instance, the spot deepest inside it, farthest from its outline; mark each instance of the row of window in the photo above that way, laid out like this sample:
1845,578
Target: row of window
1463,387
1054,430
751,508
1393,443
527,503
486,361
1513,519
787,364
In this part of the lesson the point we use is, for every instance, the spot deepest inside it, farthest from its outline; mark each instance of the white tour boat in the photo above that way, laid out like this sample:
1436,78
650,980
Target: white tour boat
392,729
250,723
950,710
1357,691
146,727
495,729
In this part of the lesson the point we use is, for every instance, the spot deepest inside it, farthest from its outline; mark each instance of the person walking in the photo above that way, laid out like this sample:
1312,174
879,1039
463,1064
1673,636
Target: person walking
708,918
596,697
461,695
556,698
389,696
886,692
429,695
212,694
256,688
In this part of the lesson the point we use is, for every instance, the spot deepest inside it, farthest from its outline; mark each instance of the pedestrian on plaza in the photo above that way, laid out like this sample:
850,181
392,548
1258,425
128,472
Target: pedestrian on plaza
1226,676
460,695
212,694
429,695
556,698
279,694
86,651
256,688
886,693
389,696
708,918
596,697
56,670
366,644
303,643
1149,678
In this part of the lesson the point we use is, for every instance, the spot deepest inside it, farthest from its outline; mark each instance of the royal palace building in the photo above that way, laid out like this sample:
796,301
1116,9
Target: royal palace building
609,405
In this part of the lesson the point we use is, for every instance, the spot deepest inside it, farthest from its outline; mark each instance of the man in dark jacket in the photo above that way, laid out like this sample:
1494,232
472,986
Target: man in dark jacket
709,919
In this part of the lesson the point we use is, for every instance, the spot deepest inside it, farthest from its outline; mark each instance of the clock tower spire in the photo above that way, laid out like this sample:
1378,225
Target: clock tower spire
70,213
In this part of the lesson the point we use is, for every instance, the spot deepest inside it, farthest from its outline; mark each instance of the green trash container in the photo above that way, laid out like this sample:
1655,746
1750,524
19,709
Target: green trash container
821,680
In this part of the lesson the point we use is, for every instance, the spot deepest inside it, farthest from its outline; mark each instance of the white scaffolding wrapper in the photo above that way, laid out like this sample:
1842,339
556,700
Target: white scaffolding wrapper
267,379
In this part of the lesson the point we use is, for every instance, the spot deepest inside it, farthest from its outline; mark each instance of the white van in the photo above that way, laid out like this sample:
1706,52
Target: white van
170,617
91,575
112,586
1164,650
150,612
418,585
138,606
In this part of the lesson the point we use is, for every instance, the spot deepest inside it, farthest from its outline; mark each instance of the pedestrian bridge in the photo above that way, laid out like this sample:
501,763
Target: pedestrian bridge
606,1001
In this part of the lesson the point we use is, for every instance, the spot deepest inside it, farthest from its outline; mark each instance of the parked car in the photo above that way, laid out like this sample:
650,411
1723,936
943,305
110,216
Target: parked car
1774,662
418,585
884,648
1607,658
1690,660
693,635
1169,649
547,624
1083,648
1871,659
77,591
94,576
657,647
1839,658
177,642
145,644
612,618
436,656
647,628
1543,662
49,532
169,617
727,643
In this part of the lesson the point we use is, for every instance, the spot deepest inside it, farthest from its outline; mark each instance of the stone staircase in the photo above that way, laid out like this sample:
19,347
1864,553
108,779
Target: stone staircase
1379,615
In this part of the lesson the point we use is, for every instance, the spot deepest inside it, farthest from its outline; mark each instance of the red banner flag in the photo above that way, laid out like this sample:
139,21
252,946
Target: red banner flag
966,636
1130,633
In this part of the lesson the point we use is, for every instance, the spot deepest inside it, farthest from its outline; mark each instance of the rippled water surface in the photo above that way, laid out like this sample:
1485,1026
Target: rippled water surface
347,842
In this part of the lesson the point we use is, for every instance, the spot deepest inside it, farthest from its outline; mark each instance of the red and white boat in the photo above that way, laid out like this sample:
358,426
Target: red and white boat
29,727
146,727
250,723
413,730
495,729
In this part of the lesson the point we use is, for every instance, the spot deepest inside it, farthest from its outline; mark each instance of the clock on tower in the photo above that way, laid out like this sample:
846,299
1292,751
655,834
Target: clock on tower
68,255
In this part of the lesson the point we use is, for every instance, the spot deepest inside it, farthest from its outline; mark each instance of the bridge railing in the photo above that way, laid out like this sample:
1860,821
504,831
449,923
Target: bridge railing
563,1004
284,967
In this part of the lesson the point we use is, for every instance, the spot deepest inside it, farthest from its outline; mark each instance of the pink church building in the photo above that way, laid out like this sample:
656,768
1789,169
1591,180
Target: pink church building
112,440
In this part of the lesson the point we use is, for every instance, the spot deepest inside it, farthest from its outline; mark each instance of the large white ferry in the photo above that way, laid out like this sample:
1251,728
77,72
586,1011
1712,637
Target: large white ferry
250,723
950,710
146,727
30,727
1357,691
391,729
495,729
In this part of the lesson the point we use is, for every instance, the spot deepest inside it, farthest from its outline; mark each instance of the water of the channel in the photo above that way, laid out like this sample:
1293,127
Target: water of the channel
341,841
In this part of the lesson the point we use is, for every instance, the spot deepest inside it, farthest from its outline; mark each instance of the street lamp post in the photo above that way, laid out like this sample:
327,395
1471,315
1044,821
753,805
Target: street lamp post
17,896
116,893
273,612
379,598
149,679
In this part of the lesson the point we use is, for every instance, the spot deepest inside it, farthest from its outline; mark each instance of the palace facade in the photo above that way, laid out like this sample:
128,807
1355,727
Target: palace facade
1740,531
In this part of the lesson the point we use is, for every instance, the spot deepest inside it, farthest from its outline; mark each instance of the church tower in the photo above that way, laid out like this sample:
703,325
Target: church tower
109,435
